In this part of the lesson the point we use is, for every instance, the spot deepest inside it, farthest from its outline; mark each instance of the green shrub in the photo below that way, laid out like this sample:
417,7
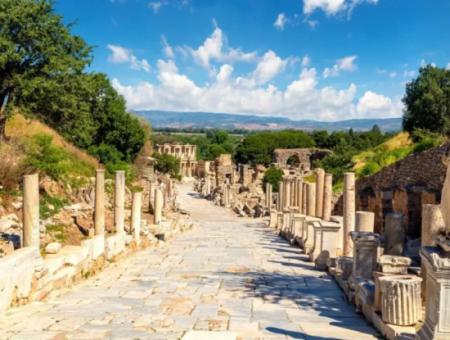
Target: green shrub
130,174
425,144
273,176
369,169
45,200
46,158
167,164
419,134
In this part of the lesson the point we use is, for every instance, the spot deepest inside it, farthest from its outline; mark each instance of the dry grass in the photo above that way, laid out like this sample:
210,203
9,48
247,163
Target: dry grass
23,128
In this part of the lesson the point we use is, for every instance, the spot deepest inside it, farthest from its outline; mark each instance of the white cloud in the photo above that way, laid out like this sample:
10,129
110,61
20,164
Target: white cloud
333,7
344,64
392,75
302,99
380,71
281,21
306,61
156,6
409,74
212,50
168,51
312,23
373,105
121,55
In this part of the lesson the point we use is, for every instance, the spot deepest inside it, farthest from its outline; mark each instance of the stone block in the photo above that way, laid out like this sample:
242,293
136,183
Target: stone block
344,267
53,248
19,267
95,246
390,264
365,254
395,234
114,245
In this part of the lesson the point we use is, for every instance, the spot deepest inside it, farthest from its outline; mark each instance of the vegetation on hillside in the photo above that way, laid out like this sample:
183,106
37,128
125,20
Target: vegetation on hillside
43,75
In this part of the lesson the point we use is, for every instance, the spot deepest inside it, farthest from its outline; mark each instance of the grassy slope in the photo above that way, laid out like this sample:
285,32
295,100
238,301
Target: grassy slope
398,141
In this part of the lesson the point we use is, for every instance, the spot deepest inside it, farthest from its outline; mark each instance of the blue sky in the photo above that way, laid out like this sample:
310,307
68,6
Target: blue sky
302,59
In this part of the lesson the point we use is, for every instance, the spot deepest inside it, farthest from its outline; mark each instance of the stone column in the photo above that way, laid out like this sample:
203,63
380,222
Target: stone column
395,234
31,211
320,179
401,304
300,195
119,201
365,254
304,197
99,212
432,223
349,211
364,221
280,196
311,199
327,196
243,174
151,196
287,192
136,216
158,206
268,196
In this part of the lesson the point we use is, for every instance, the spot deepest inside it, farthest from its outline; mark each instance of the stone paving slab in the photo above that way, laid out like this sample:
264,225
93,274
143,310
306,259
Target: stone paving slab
230,279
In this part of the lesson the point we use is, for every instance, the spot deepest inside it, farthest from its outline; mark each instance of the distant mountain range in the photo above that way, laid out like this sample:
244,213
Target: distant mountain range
233,121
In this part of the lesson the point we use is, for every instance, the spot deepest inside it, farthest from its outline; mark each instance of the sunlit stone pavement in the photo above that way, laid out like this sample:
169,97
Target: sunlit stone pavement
230,278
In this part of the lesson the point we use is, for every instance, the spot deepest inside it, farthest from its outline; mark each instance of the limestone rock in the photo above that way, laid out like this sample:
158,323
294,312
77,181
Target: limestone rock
53,248
390,264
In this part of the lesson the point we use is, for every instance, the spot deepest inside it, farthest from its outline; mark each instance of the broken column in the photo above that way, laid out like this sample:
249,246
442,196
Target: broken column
364,221
320,179
395,234
119,201
158,206
31,211
401,303
99,212
136,216
349,211
432,223
327,196
311,199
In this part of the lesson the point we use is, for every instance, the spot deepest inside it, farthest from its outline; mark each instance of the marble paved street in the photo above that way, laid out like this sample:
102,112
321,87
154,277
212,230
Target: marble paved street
230,278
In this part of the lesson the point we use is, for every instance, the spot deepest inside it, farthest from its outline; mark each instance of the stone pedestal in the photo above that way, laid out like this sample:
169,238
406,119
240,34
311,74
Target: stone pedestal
365,254
376,307
273,218
328,244
437,317
349,211
364,221
340,235
298,222
280,217
315,250
320,181
401,303
327,196
308,240
395,234
286,222
311,199
394,264
119,202
99,212
136,217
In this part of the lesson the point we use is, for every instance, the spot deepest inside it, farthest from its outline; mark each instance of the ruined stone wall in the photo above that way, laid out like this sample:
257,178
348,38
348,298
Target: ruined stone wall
305,157
403,187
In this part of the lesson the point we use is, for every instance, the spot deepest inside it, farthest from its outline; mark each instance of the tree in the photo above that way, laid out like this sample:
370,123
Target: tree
321,138
36,48
215,151
427,101
273,176
220,137
167,164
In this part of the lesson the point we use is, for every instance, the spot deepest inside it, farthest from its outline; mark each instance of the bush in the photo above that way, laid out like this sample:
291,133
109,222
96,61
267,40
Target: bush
273,176
369,169
425,144
45,200
215,151
336,164
47,158
167,164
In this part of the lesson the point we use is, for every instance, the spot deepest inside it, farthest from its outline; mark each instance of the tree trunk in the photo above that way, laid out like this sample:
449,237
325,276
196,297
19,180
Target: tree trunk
3,137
